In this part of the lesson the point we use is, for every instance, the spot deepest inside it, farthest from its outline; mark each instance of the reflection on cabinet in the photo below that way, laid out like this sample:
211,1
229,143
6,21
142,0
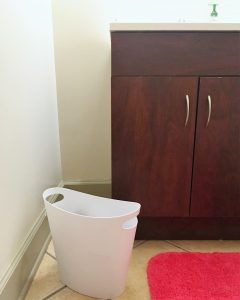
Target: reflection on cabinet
176,136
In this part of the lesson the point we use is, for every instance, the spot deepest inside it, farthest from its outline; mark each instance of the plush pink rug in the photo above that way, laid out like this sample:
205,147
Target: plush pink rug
194,276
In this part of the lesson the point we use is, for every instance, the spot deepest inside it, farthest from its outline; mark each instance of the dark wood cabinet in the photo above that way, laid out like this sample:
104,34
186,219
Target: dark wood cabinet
216,172
175,53
176,139
152,142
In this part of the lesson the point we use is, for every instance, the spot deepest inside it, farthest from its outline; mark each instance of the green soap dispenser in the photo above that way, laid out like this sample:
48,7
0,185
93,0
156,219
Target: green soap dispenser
214,13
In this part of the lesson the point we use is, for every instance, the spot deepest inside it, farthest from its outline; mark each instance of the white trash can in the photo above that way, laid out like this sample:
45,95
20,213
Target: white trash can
93,239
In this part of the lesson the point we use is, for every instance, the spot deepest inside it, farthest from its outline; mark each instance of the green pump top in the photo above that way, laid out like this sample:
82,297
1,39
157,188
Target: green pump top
214,12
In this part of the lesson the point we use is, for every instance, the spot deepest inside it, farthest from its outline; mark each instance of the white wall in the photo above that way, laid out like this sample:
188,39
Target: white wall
29,139
82,47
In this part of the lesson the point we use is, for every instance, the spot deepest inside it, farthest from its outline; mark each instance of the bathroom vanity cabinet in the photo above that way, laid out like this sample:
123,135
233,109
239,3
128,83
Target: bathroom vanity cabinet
176,130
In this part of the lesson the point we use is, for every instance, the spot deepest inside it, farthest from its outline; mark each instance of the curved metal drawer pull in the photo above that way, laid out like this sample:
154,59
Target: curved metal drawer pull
209,109
188,106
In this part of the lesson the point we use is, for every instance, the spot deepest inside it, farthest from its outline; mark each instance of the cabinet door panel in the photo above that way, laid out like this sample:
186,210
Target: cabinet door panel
216,174
152,150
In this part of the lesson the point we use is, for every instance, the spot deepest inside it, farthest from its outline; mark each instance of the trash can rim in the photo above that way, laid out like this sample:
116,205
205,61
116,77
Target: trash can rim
134,212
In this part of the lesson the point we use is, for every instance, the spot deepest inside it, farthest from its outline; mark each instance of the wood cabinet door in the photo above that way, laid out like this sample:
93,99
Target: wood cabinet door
152,149
216,172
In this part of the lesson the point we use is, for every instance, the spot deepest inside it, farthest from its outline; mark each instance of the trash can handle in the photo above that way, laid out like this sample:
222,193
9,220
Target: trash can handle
54,191
131,215
127,221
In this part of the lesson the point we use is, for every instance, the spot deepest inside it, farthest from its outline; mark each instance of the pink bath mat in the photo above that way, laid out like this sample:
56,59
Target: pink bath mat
194,276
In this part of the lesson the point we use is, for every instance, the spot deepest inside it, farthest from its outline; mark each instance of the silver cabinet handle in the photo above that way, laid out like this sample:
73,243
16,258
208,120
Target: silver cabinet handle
209,109
188,106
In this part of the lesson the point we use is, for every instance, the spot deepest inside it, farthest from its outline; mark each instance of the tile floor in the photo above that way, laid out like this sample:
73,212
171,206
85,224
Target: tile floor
46,284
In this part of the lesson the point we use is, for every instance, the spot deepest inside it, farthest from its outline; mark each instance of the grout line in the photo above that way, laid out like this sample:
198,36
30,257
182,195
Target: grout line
139,244
54,293
179,247
50,255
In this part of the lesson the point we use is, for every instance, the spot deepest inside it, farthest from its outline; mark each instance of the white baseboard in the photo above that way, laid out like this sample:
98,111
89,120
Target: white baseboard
19,254
5,279
81,182
34,269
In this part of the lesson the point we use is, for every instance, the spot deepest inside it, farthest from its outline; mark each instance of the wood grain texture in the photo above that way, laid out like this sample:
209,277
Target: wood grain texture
175,53
152,150
216,176
188,228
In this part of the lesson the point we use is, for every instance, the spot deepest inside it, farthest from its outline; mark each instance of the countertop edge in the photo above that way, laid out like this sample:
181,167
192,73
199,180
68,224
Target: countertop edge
174,27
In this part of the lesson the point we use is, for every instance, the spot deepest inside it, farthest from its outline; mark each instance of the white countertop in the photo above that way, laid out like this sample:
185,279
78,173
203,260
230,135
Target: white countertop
175,27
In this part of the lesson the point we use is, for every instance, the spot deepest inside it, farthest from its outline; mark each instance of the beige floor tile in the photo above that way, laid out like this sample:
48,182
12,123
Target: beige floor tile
46,280
67,294
50,249
137,286
209,246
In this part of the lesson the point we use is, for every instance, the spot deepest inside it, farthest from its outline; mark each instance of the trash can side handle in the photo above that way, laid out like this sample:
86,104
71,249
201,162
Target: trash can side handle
130,224
53,191
129,221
